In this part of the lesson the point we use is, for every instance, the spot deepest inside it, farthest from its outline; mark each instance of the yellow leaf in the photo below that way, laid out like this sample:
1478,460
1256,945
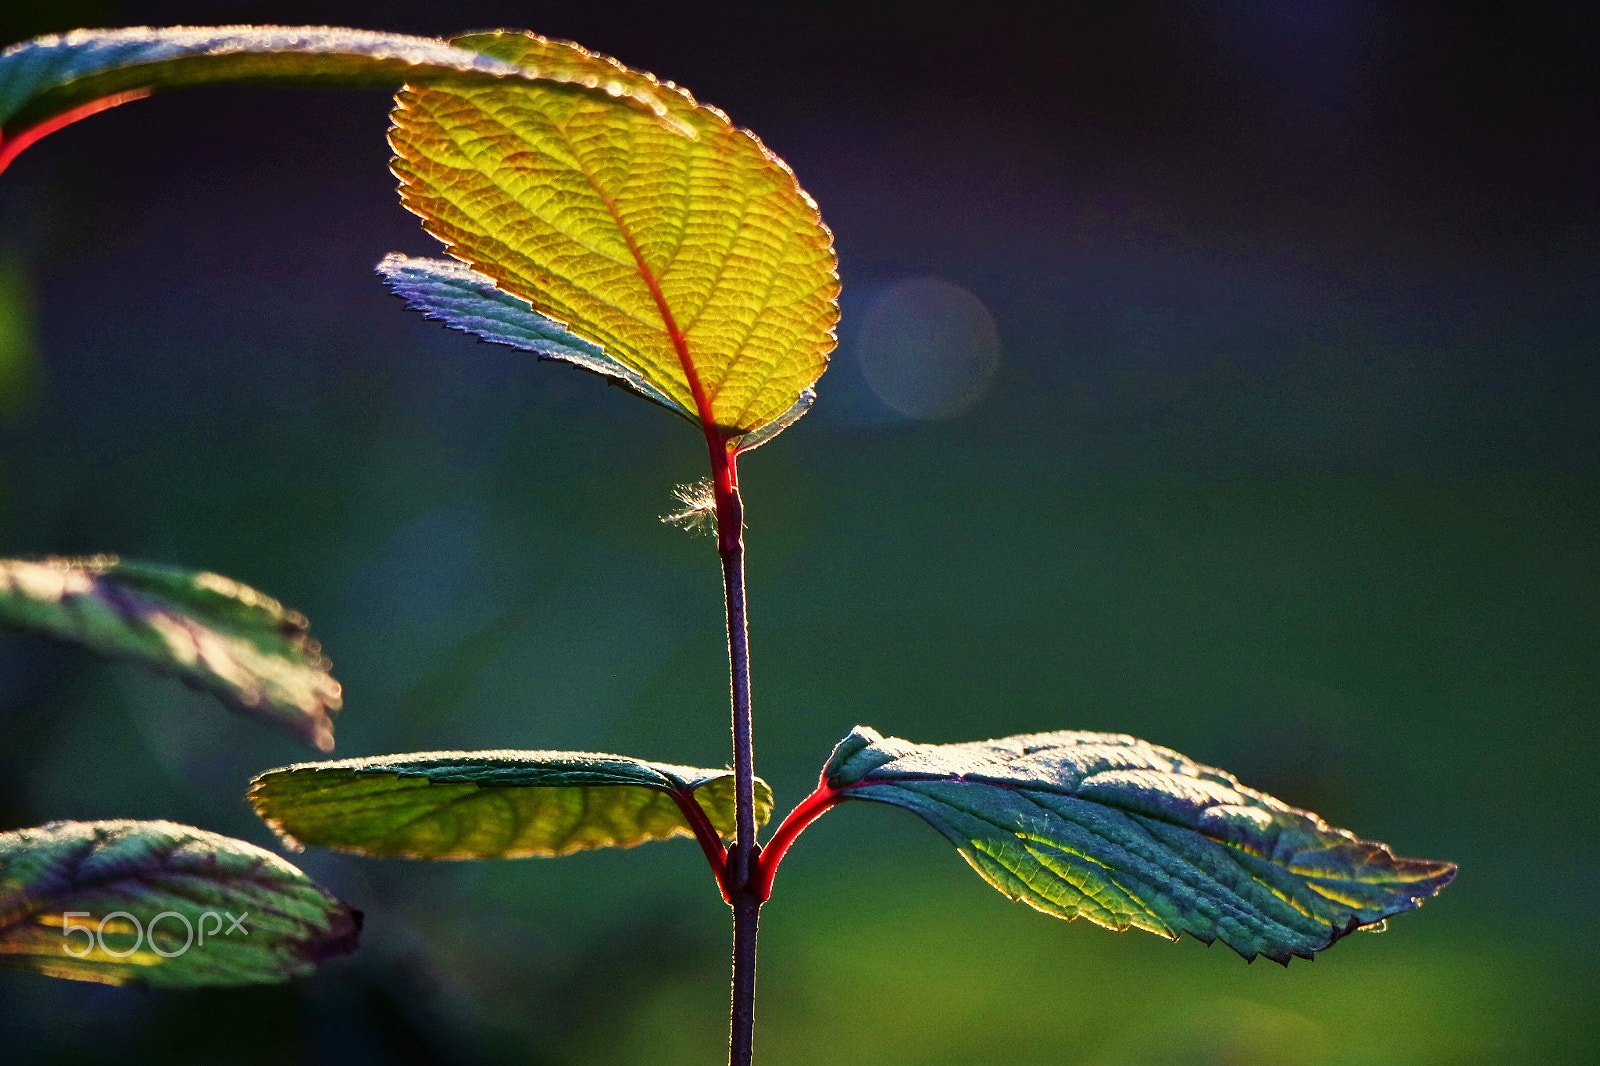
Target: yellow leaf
683,248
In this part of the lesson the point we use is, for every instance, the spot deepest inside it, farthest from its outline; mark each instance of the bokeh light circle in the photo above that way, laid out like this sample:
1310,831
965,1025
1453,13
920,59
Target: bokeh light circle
928,348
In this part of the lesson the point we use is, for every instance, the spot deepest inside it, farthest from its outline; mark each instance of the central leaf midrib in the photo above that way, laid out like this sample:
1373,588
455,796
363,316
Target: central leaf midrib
1062,790
680,342
483,231
668,322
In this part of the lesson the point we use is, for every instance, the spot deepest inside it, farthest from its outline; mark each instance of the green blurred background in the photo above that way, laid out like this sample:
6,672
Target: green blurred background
1288,460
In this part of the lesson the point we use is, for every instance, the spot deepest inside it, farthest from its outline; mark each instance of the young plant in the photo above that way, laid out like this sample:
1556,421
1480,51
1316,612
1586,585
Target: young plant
605,219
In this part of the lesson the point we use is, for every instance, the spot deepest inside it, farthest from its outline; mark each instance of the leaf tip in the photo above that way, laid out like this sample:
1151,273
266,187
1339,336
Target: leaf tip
342,938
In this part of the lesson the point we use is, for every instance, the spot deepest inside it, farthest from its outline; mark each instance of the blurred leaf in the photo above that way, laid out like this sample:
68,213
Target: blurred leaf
18,360
492,804
211,632
1125,833
49,82
464,299
691,256
155,904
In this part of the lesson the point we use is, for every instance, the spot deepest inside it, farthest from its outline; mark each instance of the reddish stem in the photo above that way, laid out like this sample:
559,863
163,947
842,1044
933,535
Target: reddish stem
810,809
11,147
746,856
725,486
710,840
730,545
736,869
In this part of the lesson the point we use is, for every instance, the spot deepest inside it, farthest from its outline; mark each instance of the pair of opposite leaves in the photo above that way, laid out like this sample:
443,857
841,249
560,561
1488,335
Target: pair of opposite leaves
700,276
1102,826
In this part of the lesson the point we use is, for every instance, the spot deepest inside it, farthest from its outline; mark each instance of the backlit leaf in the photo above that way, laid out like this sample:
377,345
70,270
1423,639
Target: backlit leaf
211,632
1125,833
49,82
690,254
492,804
160,904
463,299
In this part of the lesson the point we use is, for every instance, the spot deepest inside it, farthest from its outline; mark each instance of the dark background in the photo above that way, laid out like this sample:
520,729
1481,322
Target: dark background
1291,463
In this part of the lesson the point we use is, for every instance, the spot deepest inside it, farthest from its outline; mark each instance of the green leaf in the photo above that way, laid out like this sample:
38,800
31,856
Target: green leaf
19,357
1125,833
211,632
51,81
160,904
463,299
492,804
693,258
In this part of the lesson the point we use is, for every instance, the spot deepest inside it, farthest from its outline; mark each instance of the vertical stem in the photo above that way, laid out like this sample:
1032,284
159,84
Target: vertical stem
739,670
746,902
742,1028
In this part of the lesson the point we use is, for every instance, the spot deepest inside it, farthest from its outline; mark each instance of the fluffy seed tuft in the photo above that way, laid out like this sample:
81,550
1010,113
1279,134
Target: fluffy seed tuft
698,510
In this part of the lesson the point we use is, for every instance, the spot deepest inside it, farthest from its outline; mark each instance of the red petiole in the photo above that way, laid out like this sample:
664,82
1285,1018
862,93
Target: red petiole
12,146
764,863
710,841
810,809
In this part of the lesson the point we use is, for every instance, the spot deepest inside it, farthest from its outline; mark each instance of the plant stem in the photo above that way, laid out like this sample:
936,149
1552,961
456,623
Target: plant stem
730,517
709,839
12,145
746,903
742,1028
810,809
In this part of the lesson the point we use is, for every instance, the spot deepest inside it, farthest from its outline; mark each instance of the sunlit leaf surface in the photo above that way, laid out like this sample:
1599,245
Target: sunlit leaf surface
48,82
1127,834
161,904
684,249
463,299
210,631
491,804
